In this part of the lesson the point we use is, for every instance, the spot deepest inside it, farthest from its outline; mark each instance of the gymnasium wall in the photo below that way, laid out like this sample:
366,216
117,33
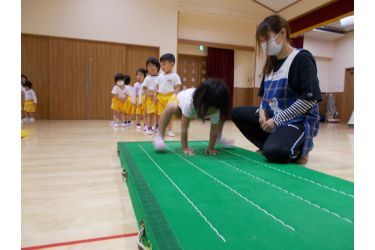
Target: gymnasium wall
332,58
124,21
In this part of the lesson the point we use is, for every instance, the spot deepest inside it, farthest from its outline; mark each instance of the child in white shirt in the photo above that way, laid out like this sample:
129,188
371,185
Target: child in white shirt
140,110
209,100
118,98
168,86
149,88
30,102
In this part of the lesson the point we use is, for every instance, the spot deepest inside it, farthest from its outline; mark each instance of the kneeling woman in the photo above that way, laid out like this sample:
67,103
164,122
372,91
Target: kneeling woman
284,125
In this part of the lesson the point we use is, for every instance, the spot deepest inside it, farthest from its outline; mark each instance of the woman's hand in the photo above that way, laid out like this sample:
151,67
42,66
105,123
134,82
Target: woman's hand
188,151
269,125
262,118
211,151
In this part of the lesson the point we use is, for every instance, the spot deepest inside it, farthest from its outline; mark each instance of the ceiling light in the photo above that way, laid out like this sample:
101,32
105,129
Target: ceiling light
349,20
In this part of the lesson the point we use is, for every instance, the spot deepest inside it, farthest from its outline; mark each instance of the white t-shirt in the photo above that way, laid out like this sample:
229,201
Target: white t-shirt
130,91
118,91
150,82
137,88
30,95
185,102
167,82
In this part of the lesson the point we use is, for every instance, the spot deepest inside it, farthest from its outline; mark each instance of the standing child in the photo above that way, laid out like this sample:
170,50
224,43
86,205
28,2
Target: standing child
30,101
168,86
209,100
149,87
128,104
140,103
118,99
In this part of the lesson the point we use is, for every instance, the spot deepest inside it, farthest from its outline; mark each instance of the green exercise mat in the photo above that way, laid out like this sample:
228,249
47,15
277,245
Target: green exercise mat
234,200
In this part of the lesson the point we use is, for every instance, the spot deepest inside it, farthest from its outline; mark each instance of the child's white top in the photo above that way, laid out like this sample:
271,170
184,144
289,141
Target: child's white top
150,82
167,82
185,102
137,88
130,91
118,91
30,95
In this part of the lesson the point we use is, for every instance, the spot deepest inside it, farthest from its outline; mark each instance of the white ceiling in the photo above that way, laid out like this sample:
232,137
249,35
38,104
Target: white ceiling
276,6
249,10
323,35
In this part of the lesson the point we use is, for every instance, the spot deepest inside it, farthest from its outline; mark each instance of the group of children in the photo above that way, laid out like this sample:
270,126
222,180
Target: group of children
148,97
29,100
156,98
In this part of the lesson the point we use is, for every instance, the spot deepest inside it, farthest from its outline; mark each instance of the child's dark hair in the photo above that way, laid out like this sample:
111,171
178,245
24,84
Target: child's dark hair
168,57
141,70
127,79
28,84
154,61
119,77
211,93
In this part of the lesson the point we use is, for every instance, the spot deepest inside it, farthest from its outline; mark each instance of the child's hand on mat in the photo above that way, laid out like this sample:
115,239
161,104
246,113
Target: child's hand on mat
188,151
211,151
269,125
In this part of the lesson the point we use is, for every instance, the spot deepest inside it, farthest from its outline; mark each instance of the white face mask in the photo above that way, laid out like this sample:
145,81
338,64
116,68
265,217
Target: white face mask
272,47
120,83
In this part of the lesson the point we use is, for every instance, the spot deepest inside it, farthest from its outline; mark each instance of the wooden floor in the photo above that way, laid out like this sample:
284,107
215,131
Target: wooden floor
72,188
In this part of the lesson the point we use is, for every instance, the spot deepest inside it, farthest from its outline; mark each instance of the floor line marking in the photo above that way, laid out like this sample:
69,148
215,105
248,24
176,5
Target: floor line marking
236,192
288,173
184,195
285,191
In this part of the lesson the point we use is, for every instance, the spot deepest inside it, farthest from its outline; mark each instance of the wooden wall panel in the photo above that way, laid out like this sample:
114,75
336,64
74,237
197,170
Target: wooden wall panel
68,74
242,97
73,78
191,69
35,65
105,60
348,96
136,57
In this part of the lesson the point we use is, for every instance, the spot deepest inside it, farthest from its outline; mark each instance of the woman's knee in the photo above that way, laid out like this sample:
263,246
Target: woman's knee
276,153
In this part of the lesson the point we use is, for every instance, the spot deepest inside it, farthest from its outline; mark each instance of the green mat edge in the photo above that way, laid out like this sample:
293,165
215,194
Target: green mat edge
152,242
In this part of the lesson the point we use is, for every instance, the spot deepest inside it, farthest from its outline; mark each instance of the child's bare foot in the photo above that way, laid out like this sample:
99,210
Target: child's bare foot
159,144
225,142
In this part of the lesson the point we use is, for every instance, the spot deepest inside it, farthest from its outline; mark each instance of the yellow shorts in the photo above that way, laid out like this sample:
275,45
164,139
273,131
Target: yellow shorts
117,105
29,106
141,110
150,105
128,106
163,100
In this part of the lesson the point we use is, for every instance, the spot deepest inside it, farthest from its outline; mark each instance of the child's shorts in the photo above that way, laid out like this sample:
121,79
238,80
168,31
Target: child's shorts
163,100
117,105
150,105
29,106
141,110
128,106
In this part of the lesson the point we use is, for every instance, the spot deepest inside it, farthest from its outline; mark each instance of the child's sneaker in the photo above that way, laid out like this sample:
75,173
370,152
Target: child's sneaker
123,124
138,127
145,128
129,124
225,142
31,120
115,124
159,144
149,132
156,131
170,134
